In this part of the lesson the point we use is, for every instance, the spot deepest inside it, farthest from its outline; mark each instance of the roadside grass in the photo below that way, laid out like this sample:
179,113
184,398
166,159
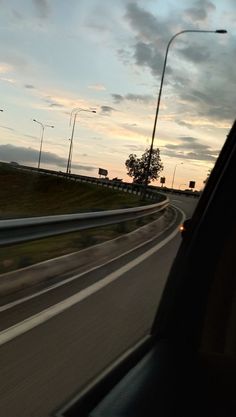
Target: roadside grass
28,194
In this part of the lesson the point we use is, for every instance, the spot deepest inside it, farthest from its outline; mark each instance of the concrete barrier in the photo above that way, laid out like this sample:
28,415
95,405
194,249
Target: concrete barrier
85,259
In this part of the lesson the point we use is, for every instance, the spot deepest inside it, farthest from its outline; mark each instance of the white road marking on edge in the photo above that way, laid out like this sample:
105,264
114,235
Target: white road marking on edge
45,315
22,300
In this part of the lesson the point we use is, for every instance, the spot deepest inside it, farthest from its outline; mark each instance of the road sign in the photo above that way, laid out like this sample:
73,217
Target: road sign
102,171
192,184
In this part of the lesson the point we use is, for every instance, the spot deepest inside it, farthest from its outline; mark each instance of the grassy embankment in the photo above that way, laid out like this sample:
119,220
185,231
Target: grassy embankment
25,194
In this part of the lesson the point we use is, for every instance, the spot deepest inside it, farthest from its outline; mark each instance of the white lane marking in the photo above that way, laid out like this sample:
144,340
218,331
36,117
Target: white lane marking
22,300
50,312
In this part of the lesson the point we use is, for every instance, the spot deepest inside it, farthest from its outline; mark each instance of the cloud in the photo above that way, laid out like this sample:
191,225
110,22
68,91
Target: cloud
24,155
199,72
134,148
96,138
53,102
117,98
55,105
42,8
212,97
134,128
143,53
183,123
13,60
8,80
107,109
30,136
62,99
200,11
141,98
148,56
188,142
145,23
97,87
191,148
8,128
17,15
124,55
196,54
152,34
29,86
5,68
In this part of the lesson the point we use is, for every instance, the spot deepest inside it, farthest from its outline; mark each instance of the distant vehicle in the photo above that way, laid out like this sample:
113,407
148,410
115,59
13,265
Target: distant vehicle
117,179
14,163
104,179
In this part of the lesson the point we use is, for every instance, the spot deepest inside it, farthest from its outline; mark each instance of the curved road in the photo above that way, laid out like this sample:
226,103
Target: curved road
54,344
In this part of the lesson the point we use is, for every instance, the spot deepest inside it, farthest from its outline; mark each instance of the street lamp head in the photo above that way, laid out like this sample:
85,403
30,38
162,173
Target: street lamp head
34,120
221,31
47,125
1,110
79,109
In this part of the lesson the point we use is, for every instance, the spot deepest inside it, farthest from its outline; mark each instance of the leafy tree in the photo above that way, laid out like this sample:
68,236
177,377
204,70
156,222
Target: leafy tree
137,167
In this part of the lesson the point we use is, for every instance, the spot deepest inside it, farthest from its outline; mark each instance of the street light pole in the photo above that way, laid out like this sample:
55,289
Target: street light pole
68,168
41,141
172,185
221,31
75,112
41,145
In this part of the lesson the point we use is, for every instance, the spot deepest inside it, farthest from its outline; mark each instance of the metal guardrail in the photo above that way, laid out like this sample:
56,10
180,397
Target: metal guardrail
132,188
22,230
152,194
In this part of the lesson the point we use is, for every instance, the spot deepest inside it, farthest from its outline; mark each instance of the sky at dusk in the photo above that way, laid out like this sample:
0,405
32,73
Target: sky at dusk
56,55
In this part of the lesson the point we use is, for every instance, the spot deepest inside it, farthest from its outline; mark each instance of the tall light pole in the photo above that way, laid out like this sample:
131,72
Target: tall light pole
220,31
172,185
74,112
43,126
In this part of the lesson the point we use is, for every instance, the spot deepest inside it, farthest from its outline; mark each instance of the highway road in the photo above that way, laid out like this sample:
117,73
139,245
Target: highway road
53,344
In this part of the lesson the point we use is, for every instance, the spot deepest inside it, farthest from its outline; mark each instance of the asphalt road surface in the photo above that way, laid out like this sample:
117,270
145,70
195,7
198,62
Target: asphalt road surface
53,344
